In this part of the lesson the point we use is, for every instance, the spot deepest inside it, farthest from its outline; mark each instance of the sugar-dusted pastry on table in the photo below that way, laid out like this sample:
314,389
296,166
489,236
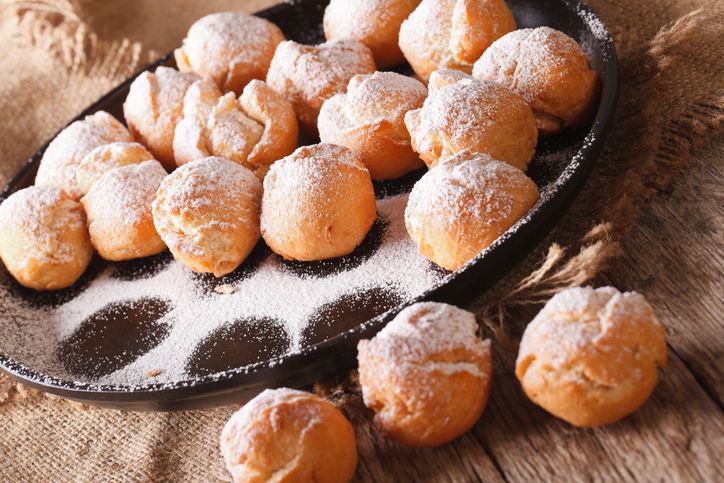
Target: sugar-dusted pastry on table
550,71
590,357
426,375
370,120
285,435
308,75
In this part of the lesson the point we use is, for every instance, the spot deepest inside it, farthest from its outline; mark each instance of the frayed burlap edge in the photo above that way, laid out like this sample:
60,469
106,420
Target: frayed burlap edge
57,26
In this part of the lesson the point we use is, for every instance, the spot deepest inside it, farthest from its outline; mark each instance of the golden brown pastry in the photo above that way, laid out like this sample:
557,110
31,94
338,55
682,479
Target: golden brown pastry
375,23
452,34
309,75
426,375
207,213
118,207
229,47
590,356
550,71
153,108
254,131
107,157
462,112
370,121
284,435
44,241
59,164
461,206
318,203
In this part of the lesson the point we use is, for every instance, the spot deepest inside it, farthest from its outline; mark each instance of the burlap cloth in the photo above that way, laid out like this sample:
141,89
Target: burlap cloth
59,56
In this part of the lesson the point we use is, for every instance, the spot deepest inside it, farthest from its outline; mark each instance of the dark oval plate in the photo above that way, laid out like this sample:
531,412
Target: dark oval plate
89,360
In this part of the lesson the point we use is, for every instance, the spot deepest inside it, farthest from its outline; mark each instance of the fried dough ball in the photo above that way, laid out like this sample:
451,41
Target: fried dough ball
550,71
153,108
318,203
59,164
255,130
231,48
118,206
426,375
375,23
44,241
590,357
370,121
284,435
105,158
309,75
207,213
464,204
452,34
462,112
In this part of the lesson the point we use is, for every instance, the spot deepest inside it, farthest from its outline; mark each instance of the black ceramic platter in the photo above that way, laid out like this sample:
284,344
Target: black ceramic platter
158,337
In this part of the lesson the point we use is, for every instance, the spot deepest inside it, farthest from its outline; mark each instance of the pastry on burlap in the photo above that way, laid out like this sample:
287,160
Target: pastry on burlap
463,112
550,71
229,47
255,130
44,241
285,435
59,164
375,23
308,75
370,120
590,357
452,34
154,106
207,213
118,207
461,206
107,157
318,203
426,375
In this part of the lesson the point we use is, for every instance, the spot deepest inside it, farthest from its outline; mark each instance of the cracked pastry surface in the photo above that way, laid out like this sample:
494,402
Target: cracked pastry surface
230,48
154,106
255,130
318,203
461,206
107,157
44,241
308,75
590,357
426,375
463,112
550,71
207,213
285,435
370,120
